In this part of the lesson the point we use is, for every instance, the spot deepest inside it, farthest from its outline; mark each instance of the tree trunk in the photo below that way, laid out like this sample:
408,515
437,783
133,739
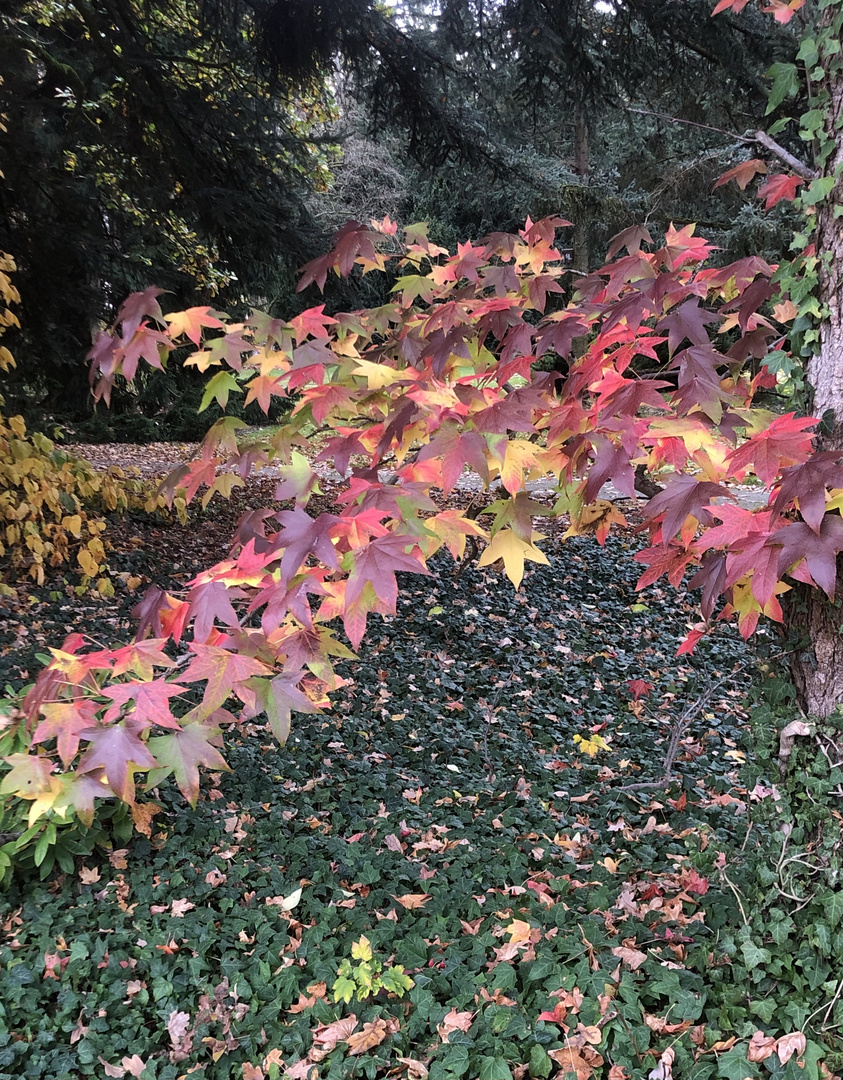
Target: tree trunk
818,666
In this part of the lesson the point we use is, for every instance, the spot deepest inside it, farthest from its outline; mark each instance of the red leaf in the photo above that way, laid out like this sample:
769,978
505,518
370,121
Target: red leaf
819,551
778,187
152,702
786,441
742,173
684,495
639,688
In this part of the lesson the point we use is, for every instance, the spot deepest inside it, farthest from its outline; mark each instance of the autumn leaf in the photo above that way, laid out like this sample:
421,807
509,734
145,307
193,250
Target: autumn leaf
780,186
328,1035
454,1021
371,1035
118,751
412,900
182,753
191,322
742,173
633,958
513,550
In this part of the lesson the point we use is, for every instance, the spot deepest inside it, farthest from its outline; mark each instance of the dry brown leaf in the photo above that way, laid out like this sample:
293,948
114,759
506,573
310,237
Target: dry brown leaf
133,1065
393,843
454,1021
252,1072
661,1025
89,876
761,1047
633,958
180,908
274,1058
788,1045
302,1070
118,859
371,1035
582,1062
328,1035
519,931
664,1068
143,814
416,1070
116,1071
412,900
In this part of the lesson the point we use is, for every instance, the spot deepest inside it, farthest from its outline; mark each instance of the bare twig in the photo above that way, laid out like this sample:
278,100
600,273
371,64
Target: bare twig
759,137
678,729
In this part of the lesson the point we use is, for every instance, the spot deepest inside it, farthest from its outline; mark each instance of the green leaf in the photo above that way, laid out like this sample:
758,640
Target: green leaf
785,84
808,52
733,1065
540,1062
219,387
754,955
492,1068
817,190
344,989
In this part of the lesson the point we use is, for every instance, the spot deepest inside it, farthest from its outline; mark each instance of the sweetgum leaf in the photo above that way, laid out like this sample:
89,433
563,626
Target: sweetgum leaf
182,753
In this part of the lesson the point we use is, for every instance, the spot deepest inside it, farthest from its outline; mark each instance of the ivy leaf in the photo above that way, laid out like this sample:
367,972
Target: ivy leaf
182,753
785,84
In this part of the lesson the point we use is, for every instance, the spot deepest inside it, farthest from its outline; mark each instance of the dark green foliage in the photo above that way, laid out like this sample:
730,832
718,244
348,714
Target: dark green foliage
487,790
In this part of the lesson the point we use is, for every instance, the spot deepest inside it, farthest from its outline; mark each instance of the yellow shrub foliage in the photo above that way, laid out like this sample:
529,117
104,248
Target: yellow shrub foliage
51,505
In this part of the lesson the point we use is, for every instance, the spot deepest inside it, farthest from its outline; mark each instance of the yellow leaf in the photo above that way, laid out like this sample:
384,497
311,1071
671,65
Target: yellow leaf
43,802
519,931
88,563
509,547
362,949
377,375
520,457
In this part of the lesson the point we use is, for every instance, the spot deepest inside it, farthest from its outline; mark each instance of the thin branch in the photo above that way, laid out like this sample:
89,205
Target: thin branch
691,123
799,167
760,137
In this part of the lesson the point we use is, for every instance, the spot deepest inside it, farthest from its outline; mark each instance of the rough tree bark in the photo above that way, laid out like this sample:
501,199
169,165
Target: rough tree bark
818,667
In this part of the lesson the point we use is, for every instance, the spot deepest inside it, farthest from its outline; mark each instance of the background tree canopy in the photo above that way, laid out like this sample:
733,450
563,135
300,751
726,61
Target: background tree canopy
208,149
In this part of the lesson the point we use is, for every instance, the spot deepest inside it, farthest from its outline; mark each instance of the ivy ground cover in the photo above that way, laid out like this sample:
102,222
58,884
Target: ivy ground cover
461,815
